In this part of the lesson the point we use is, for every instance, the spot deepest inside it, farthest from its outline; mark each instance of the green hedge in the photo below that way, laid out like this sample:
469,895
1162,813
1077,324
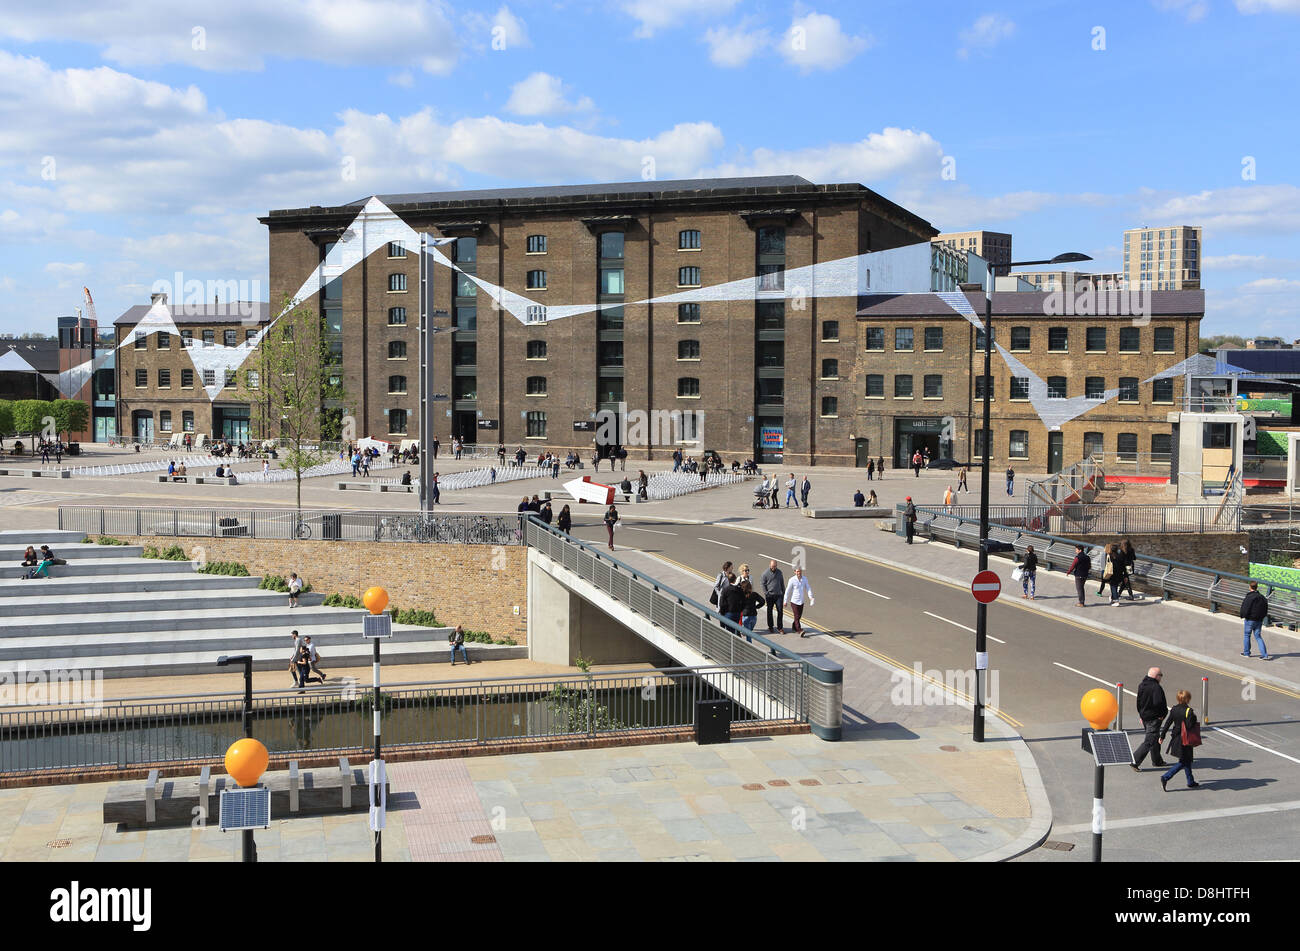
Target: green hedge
103,540
1270,444
232,568
170,553
1276,574
279,583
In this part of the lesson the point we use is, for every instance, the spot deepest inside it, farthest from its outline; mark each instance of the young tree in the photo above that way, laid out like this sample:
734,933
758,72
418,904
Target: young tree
293,379
30,416
71,416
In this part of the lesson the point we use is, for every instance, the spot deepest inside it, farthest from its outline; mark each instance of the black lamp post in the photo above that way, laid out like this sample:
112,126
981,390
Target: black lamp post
981,610
249,847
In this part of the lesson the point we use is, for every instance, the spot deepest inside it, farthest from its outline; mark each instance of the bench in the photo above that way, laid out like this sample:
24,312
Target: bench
233,530
176,802
1228,593
854,512
216,480
1191,584
36,473
373,487
167,478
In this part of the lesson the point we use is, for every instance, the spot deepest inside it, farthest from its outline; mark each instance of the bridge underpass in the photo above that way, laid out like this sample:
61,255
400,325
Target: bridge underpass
585,603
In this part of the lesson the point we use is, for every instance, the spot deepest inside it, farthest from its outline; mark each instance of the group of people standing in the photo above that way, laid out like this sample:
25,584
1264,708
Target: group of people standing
1116,571
736,599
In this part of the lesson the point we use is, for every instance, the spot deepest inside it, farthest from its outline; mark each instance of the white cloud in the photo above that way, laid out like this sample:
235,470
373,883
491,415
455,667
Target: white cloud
1193,10
1268,6
405,79
731,47
242,34
985,33
542,94
890,153
1270,284
513,30
816,41
62,269
1251,208
655,15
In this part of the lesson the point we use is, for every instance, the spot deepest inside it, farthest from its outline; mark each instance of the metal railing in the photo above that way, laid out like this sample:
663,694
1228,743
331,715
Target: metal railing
1207,586
817,699
1157,465
287,524
1110,519
162,730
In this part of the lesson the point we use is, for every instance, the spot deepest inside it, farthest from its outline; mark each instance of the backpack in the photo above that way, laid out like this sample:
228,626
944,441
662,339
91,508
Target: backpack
1191,730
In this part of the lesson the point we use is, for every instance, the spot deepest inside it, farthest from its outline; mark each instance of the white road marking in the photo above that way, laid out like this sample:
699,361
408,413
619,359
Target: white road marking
723,544
1224,813
1091,677
650,530
867,590
779,561
963,627
1219,729
1258,746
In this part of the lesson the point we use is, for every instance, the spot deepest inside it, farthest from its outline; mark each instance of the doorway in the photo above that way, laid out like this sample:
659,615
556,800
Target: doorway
861,452
1055,442
142,425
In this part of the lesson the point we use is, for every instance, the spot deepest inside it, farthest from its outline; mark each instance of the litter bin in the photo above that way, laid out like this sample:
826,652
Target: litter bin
74,448
331,526
712,721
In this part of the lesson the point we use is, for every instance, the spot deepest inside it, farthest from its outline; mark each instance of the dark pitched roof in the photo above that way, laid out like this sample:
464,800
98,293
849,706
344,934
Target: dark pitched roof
42,355
231,312
681,186
1017,304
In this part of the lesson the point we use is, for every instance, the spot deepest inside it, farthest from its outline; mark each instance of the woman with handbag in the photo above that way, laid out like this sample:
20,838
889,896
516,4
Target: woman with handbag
1130,559
1186,737
719,583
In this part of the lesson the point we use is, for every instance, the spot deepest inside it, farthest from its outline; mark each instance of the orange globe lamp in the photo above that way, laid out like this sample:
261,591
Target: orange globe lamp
375,599
1099,708
246,761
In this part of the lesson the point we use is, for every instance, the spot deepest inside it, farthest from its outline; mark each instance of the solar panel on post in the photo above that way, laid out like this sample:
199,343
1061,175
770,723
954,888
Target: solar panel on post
1111,748
245,809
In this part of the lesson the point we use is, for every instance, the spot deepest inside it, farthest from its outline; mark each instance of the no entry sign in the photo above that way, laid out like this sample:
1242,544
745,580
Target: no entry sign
986,587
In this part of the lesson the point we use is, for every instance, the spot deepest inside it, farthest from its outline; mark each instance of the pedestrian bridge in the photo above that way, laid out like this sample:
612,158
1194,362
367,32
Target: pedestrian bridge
583,602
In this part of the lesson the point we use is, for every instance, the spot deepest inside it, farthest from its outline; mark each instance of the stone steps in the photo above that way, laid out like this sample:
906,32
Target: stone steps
62,586
70,551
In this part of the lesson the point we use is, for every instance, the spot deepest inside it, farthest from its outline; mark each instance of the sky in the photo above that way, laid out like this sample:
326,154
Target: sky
144,138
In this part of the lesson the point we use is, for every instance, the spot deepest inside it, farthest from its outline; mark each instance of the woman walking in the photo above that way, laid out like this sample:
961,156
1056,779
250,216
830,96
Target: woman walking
1186,737
611,519
1029,573
719,583
1130,559
565,522
1112,570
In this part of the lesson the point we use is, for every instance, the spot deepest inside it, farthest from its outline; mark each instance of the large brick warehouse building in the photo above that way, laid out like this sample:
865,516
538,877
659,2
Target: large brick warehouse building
821,380
750,366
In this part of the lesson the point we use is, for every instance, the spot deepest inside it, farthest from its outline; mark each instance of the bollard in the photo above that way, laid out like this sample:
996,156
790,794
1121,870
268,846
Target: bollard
1205,699
205,779
345,780
293,785
1119,706
150,797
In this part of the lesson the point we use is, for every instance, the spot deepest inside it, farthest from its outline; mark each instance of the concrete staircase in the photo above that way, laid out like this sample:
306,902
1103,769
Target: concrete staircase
110,609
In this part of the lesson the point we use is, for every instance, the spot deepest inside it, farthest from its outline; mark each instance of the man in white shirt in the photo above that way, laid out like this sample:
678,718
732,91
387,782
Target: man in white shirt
295,586
789,492
798,593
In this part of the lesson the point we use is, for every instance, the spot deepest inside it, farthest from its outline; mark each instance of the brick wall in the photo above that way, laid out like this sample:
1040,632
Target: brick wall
474,585
1220,551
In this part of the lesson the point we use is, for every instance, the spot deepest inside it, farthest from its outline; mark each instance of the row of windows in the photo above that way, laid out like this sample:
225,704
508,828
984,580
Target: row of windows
1058,339
1125,444
687,386
187,378
1162,391
230,338
165,420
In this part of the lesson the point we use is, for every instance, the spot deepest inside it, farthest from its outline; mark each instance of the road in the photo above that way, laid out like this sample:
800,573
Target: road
1248,806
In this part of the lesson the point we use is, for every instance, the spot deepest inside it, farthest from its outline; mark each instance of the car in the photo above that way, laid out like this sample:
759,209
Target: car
947,464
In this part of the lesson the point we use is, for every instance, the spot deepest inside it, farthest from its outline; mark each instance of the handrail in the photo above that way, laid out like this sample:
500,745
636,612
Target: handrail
1217,575
727,623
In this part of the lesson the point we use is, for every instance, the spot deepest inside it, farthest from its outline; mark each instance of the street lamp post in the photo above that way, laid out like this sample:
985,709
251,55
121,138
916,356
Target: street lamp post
249,846
427,332
981,609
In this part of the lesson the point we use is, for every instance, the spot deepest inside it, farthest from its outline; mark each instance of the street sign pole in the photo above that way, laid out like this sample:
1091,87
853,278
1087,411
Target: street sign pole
379,833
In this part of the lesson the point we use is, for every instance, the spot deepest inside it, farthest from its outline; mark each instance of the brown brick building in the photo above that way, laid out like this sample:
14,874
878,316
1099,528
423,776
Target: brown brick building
915,378
751,366
160,392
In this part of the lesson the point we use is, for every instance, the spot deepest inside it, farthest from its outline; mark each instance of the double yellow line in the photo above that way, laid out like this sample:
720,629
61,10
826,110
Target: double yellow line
885,658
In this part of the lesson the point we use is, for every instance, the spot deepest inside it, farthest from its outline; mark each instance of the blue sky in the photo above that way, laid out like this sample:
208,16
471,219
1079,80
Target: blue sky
145,139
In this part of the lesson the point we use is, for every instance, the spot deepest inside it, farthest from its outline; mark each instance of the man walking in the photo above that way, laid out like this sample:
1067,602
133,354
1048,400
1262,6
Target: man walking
435,448
1152,710
1254,609
1011,481
789,492
916,463
315,658
798,593
293,658
804,490
947,500
909,519
773,584
1081,567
